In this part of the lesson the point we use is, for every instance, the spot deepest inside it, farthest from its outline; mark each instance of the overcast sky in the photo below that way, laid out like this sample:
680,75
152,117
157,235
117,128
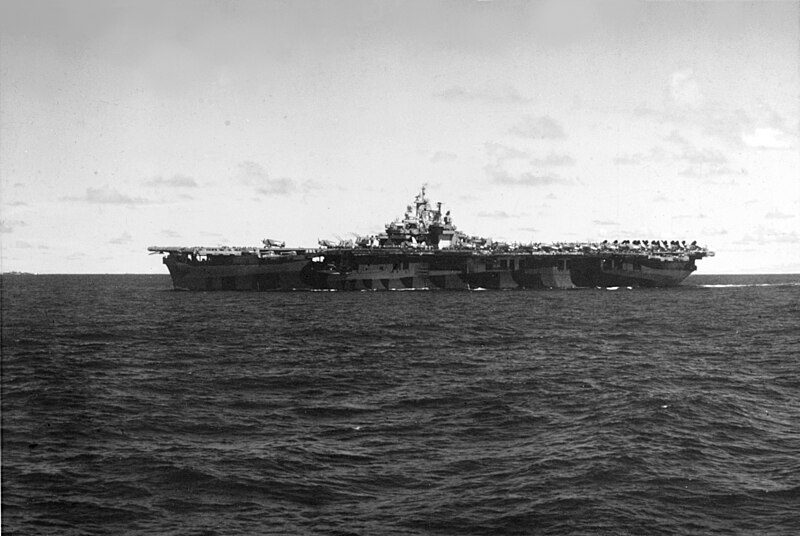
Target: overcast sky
137,123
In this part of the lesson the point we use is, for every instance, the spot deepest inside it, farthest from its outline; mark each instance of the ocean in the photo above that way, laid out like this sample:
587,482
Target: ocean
130,408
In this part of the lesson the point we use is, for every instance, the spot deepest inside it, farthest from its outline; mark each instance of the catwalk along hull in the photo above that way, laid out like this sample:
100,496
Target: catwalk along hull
436,270
380,269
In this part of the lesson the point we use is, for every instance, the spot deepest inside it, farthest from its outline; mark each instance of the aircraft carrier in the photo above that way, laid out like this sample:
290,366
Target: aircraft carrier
424,250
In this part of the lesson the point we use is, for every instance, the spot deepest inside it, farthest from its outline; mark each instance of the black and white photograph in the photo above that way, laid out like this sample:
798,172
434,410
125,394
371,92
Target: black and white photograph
400,267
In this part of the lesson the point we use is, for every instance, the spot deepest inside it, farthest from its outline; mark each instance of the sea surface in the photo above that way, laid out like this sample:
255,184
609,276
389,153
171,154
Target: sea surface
130,408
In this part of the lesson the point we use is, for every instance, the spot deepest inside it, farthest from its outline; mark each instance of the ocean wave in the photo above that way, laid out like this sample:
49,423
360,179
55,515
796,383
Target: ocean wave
666,411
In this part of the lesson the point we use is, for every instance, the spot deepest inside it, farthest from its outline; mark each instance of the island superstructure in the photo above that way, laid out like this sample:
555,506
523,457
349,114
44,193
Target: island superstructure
425,250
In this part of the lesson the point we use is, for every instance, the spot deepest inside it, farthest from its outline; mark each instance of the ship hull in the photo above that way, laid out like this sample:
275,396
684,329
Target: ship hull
630,271
281,274
368,269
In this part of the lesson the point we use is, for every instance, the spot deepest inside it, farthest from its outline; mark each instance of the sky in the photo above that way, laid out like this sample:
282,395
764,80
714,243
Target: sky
128,124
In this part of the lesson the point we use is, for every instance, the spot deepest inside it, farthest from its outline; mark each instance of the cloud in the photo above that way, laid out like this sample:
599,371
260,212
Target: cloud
541,128
698,162
107,196
755,127
605,223
255,175
762,127
703,156
684,91
501,176
763,236
277,187
169,233
711,172
554,159
692,216
629,159
693,154
686,153
776,215
656,154
496,214
768,138
443,156
21,244
177,181
124,239
714,231
501,151
7,226
252,172
505,94
510,165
